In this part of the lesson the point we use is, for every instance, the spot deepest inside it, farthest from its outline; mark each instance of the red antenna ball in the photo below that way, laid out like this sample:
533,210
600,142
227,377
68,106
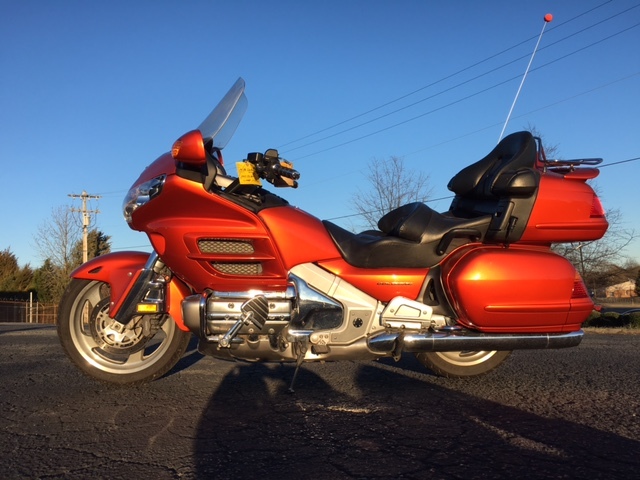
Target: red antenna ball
548,17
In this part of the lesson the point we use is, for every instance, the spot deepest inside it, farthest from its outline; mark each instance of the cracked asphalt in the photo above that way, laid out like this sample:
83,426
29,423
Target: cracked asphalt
571,413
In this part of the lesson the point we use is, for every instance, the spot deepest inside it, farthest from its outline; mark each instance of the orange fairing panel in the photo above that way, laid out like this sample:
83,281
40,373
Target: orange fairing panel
381,283
176,293
299,237
181,229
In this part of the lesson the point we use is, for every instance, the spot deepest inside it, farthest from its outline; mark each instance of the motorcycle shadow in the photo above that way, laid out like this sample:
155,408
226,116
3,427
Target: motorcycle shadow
191,357
374,420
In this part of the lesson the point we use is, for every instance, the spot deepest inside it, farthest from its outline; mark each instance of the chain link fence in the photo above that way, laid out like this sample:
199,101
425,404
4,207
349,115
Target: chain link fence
28,312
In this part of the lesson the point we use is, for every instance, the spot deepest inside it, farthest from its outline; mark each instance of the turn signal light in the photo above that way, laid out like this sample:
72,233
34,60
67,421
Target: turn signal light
189,148
147,308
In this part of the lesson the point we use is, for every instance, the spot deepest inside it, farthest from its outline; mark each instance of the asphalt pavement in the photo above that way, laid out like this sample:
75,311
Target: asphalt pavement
571,413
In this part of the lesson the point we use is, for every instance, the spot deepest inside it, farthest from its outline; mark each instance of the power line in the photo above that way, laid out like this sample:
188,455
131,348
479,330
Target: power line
454,87
525,114
451,76
455,101
635,159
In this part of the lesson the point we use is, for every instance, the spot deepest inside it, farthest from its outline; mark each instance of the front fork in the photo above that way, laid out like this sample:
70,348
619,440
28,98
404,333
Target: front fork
147,295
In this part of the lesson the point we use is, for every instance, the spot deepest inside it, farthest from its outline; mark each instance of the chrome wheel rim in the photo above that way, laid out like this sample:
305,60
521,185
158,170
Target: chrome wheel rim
466,358
104,347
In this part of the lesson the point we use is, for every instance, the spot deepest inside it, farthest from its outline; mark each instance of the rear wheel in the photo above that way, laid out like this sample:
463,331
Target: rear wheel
147,348
462,364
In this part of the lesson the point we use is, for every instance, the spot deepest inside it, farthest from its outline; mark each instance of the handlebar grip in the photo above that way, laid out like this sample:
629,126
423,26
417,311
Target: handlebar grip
286,172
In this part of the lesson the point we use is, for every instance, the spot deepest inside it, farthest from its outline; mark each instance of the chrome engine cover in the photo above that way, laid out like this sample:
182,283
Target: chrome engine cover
319,317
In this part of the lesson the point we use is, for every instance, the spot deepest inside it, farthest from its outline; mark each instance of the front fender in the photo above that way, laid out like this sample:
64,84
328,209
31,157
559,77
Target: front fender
121,270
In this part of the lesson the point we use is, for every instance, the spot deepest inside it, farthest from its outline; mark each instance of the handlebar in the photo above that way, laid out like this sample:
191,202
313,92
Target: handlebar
285,171
270,167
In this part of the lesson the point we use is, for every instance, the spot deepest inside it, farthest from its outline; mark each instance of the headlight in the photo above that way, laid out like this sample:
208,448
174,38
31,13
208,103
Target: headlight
141,194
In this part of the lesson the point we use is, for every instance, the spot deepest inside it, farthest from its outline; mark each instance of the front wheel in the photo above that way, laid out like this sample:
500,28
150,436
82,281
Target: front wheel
462,364
147,348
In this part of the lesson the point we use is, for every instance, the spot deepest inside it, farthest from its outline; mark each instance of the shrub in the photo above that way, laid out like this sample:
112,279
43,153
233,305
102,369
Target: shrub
592,320
634,320
612,320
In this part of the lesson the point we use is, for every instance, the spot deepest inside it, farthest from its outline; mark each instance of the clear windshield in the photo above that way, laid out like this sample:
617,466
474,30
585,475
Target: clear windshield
222,122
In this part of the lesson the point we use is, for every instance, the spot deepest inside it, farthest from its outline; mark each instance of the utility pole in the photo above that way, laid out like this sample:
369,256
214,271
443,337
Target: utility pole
86,217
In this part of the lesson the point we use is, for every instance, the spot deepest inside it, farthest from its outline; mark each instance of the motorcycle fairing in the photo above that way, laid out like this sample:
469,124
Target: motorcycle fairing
211,241
300,237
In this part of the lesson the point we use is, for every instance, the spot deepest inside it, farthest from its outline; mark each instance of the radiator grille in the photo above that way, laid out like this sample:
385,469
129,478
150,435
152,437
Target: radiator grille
238,268
224,246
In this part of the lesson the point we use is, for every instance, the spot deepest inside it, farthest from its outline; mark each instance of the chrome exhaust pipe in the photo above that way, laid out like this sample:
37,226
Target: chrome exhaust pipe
396,342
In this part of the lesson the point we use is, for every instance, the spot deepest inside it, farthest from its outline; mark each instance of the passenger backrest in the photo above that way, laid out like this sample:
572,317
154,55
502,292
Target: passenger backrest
513,152
503,184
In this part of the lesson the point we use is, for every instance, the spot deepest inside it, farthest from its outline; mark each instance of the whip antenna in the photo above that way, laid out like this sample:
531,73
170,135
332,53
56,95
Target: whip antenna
547,18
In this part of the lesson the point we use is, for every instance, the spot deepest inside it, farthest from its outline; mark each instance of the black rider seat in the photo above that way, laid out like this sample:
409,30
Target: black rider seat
494,198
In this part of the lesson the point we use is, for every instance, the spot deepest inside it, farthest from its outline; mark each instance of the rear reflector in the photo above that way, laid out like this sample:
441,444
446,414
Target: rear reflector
597,211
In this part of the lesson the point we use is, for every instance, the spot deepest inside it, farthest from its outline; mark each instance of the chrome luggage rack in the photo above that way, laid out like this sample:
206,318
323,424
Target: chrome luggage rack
558,165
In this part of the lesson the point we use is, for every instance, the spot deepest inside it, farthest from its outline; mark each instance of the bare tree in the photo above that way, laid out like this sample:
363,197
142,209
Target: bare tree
550,150
56,238
599,262
55,241
391,186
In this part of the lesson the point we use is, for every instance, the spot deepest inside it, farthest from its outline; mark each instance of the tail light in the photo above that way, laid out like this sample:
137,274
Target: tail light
597,211
579,288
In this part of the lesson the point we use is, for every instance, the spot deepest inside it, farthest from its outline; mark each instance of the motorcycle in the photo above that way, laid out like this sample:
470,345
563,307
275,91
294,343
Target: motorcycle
257,279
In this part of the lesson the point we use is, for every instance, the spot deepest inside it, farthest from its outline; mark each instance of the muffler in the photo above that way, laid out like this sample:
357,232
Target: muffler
396,342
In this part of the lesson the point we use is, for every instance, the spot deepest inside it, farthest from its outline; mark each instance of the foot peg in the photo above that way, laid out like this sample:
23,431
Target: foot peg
254,312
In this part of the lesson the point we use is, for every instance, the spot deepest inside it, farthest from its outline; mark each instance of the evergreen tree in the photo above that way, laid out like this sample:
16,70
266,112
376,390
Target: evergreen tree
14,278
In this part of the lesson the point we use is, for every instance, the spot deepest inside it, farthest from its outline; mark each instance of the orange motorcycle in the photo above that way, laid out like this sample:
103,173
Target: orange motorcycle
257,279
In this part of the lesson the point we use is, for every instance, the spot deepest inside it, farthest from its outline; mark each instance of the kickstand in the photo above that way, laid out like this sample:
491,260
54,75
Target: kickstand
299,361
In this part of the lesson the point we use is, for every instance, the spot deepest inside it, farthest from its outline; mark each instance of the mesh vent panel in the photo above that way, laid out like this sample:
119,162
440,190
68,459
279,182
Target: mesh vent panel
238,268
213,245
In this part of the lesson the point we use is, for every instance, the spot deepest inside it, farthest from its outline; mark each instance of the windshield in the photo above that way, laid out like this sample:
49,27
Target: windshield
222,122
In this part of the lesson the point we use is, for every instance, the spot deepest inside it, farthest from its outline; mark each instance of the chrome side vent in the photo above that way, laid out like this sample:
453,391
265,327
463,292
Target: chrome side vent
225,246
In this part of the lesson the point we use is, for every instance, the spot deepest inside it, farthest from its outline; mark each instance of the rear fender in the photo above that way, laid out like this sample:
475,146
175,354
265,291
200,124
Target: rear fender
121,270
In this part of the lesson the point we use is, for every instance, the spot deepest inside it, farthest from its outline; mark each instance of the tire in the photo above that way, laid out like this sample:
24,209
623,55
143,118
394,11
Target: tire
147,348
462,364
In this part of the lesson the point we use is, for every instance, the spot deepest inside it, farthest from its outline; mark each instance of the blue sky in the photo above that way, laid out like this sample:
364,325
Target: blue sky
92,92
